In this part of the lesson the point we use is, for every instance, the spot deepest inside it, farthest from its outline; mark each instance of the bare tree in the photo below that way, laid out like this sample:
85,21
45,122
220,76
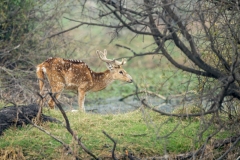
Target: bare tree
204,33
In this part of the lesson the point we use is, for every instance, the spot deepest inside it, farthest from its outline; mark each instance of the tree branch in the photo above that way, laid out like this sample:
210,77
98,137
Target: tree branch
128,26
193,54
72,28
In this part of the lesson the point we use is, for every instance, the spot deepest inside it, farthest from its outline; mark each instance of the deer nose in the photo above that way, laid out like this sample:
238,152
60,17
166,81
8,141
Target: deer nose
130,78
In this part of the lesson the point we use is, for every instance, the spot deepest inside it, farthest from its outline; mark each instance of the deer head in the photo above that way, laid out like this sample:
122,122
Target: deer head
115,67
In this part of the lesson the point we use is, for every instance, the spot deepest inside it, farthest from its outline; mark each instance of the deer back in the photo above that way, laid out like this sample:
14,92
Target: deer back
70,73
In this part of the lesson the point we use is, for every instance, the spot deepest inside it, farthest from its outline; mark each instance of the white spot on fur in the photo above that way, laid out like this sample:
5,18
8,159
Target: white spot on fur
71,84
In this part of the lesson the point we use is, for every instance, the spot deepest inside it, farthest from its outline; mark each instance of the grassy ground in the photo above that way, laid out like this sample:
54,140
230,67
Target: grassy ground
141,132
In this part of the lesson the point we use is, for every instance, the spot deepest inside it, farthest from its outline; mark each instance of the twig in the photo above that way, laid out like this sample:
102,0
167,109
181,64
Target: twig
137,54
114,145
134,53
16,47
94,24
148,92
65,30
178,115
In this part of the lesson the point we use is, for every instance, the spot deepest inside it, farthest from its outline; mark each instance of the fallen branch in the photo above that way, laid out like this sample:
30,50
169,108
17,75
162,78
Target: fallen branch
9,116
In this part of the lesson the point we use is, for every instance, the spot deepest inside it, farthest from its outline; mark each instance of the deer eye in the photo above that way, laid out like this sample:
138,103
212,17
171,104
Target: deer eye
121,72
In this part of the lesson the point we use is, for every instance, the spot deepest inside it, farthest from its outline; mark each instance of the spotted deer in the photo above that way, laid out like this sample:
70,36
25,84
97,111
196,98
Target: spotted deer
76,75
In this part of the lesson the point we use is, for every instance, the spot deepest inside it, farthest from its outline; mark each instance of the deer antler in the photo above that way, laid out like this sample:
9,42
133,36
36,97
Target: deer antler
103,57
120,63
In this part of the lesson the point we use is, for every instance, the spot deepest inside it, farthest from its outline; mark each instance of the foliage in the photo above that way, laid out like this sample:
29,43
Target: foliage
24,30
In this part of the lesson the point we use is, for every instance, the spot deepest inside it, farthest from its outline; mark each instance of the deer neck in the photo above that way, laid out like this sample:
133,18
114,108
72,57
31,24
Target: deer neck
101,80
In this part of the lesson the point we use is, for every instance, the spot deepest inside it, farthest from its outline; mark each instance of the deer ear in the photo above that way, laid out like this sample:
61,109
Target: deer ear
124,61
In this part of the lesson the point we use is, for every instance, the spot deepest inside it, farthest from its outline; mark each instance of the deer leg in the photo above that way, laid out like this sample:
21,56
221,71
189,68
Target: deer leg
40,76
56,92
81,99
41,98
51,102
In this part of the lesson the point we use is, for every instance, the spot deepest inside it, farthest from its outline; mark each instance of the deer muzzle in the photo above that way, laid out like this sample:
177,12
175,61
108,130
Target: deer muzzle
130,80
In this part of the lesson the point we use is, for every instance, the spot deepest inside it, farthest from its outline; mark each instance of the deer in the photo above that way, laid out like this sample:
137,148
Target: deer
77,76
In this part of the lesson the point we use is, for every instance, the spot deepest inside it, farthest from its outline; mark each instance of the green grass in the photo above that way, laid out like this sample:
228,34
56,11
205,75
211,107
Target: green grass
142,136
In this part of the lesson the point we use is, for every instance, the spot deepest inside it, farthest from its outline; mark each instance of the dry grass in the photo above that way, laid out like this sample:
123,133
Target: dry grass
13,153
